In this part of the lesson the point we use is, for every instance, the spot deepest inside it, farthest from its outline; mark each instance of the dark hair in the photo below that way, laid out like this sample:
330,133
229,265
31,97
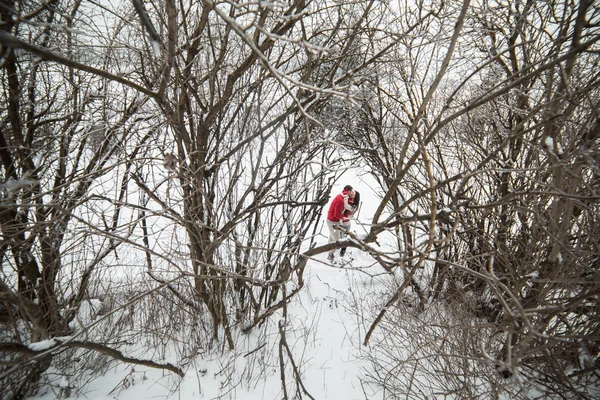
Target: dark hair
356,200
348,187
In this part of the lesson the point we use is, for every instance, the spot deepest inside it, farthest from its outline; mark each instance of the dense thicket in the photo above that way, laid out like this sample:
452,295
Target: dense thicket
185,150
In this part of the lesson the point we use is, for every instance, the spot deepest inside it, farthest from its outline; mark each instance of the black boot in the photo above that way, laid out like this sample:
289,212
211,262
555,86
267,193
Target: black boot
342,252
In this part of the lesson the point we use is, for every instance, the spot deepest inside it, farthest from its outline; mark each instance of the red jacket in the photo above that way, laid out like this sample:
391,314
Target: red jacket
336,209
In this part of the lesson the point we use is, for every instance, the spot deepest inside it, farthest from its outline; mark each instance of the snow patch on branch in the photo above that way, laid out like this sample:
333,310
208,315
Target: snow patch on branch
43,345
48,344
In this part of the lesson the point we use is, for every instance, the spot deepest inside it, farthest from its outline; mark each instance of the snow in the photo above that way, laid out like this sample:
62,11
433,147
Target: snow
155,48
15,184
322,331
64,382
533,275
323,334
549,143
324,327
43,345
48,344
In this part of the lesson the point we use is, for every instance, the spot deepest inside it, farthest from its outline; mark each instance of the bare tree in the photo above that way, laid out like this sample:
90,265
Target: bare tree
498,163
220,94
204,137
61,133
252,160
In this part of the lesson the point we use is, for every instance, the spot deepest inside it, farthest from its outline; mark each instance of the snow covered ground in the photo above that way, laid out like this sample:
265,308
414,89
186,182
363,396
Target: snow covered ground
324,331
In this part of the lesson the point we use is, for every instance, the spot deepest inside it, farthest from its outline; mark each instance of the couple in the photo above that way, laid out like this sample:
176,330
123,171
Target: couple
340,213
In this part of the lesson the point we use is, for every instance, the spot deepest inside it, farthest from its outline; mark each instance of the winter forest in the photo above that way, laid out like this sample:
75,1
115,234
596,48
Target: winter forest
166,168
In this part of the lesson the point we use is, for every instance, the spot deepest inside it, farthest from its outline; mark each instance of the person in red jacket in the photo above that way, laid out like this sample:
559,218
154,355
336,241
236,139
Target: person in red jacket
335,215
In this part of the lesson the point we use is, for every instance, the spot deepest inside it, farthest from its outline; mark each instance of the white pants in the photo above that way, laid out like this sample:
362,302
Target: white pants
334,234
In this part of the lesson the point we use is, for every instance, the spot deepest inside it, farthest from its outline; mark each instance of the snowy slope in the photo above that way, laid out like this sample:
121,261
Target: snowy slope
324,332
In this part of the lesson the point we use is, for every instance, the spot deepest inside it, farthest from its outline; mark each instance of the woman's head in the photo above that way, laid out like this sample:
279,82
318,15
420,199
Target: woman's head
356,198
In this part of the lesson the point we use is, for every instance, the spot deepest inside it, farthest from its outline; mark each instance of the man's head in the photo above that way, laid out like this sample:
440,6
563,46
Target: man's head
348,188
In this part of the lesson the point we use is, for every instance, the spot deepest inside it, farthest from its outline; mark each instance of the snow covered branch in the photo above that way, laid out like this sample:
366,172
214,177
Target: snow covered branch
54,345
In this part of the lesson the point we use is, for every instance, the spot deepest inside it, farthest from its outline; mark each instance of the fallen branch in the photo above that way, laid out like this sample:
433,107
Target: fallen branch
61,343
